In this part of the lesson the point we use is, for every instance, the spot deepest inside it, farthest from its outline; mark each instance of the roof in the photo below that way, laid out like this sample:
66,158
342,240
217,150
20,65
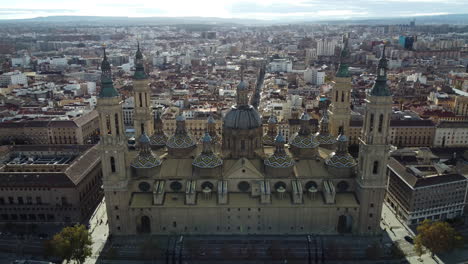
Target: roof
69,178
453,124
412,123
421,181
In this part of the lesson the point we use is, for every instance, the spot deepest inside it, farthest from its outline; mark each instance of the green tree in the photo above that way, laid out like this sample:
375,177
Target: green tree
437,237
72,243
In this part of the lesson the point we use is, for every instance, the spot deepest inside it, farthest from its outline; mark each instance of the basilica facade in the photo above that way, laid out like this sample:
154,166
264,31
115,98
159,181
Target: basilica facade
243,181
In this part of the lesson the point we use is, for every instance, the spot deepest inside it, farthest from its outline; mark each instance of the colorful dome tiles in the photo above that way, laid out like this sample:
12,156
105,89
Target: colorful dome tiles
159,139
304,141
145,161
326,139
341,161
279,161
180,141
207,161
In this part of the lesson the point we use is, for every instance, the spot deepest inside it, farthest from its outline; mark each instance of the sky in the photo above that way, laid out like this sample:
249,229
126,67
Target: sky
251,9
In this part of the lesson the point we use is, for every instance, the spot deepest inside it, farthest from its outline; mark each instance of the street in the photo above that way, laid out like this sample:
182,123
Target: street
397,232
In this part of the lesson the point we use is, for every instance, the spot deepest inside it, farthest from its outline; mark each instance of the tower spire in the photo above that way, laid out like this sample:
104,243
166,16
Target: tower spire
380,87
139,65
107,87
343,70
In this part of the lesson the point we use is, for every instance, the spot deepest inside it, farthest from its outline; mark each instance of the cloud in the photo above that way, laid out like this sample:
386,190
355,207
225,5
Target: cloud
264,9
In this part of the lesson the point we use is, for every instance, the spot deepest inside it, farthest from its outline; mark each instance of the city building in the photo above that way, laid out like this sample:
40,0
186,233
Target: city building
80,130
315,76
13,78
57,184
421,187
280,65
451,134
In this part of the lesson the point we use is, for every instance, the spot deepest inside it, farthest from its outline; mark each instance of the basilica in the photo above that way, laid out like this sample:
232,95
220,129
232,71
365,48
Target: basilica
243,181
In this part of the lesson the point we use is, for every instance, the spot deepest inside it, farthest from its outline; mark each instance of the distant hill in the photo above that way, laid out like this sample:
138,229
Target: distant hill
459,19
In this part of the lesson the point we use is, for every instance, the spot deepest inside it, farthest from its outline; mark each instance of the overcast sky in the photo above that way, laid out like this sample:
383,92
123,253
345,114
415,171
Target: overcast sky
256,9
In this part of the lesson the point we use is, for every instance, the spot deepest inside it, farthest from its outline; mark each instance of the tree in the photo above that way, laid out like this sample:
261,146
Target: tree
72,243
437,237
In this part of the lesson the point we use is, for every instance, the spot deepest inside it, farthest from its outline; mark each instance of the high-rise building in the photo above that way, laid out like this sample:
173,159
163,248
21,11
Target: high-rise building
326,47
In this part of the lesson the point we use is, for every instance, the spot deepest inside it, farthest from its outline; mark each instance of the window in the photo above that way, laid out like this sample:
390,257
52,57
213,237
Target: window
64,200
108,125
29,200
336,96
375,168
20,200
380,123
342,96
371,123
141,100
242,145
112,164
117,131
142,127
174,224
2,200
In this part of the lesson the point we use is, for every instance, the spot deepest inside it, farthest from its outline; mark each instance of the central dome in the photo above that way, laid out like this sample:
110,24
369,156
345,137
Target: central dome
242,117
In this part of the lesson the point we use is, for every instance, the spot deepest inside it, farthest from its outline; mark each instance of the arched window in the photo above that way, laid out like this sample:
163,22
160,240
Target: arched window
117,131
146,99
375,168
141,101
380,123
371,123
342,96
108,125
112,164
336,96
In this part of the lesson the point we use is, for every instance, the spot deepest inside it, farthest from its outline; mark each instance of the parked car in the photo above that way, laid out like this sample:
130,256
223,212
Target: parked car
409,239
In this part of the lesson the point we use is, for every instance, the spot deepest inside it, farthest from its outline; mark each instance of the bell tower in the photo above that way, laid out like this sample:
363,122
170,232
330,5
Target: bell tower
142,119
113,139
374,151
340,111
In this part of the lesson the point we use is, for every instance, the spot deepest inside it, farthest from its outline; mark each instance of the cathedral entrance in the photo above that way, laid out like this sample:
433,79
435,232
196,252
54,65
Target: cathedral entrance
345,224
145,225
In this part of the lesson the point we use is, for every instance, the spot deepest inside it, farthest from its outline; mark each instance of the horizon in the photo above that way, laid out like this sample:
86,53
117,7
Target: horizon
235,9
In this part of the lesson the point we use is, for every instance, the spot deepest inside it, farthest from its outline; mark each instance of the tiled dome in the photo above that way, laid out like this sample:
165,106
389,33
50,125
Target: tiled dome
279,159
304,141
207,159
242,117
341,158
145,158
180,141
